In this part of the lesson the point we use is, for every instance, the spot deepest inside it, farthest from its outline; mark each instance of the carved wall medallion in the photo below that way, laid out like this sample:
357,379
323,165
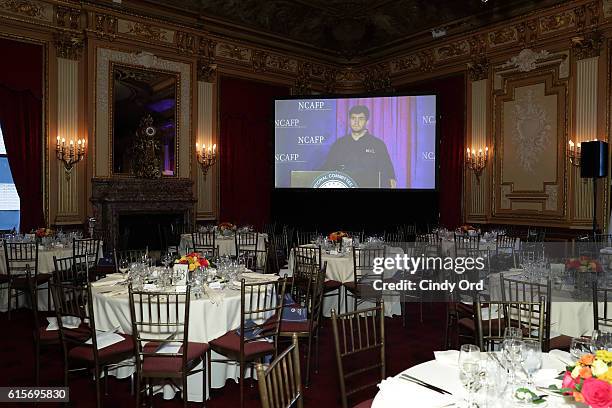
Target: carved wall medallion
68,45
106,26
478,69
185,42
526,60
587,46
67,17
24,7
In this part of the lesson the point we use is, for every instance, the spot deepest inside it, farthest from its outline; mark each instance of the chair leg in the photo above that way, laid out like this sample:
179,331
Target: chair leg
340,300
204,371
308,357
242,369
105,381
10,299
98,394
317,352
138,402
184,391
209,377
37,361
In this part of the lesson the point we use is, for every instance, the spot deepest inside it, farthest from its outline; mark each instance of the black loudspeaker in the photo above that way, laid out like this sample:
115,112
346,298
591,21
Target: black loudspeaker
593,159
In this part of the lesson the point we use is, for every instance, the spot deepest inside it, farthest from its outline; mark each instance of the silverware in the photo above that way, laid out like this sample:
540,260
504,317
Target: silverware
407,377
494,357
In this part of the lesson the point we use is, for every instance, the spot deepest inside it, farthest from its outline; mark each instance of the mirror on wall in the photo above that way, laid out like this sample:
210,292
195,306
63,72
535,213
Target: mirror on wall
144,96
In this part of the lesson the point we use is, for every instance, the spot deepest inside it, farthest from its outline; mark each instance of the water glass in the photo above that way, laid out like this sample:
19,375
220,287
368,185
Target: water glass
601,340
124,266
514,333
511,350
469,370
581,346
531,355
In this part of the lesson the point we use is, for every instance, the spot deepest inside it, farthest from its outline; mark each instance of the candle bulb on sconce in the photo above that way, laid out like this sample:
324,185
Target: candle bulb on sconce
477,161
574,153
206,157
71,154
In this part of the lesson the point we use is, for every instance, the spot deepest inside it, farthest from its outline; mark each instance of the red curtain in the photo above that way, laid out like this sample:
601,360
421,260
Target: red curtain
246,142
21,122
451,92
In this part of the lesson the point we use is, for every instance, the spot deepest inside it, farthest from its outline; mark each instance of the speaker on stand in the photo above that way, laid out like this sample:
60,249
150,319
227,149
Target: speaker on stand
594,165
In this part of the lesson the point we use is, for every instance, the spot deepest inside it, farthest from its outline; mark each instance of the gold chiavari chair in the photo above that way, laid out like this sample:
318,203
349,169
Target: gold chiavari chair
280,385
64,270
359,333
256,337
85,255
203,242
306,237
129,255
363,265
18,257
159,327
527,316
601,318
306,253
246,240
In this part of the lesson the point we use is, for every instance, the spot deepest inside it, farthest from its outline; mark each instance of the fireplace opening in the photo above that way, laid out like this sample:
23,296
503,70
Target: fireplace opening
140,230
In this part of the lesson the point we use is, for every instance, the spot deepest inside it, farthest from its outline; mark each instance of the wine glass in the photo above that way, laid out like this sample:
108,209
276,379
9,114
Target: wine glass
469,370
124,266
513,333
531,355
511,350
601,340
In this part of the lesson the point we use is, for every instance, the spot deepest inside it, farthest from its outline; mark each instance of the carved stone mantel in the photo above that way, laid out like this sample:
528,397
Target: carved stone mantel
112,197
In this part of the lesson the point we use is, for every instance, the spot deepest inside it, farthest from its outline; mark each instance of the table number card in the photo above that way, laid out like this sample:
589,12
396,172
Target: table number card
180,272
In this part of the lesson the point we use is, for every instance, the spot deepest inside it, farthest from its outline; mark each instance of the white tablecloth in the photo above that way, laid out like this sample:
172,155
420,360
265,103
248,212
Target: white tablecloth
207,321
446,376
341,269
448,246
567,316
227,245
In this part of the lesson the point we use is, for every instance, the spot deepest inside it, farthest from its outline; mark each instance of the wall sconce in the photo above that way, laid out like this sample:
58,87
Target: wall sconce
206,157
69,154
573,154
477,161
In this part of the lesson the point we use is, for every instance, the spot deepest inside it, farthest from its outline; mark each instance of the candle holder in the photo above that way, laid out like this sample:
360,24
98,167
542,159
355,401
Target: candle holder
477,161
574,153
69,154
207,157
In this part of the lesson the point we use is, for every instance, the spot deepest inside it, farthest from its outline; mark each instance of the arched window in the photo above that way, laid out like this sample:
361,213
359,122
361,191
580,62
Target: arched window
9,199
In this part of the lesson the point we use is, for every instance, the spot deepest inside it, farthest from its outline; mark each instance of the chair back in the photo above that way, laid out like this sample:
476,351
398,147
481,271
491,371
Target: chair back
467,245
19,255
428,244
254,259
306,237
504,244
203,241
260,301
64,270
363,262
306,253
526,316
74,302
601,318
161,318
519,290
280,385
85,254
356,334
246,240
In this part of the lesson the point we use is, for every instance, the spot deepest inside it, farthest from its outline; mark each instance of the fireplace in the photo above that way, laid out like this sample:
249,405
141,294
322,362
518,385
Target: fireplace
129,210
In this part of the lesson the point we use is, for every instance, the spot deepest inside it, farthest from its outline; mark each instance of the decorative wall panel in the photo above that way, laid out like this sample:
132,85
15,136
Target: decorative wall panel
206,194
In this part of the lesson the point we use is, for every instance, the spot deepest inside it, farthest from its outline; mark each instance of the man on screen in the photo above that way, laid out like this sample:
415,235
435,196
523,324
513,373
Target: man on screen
362,156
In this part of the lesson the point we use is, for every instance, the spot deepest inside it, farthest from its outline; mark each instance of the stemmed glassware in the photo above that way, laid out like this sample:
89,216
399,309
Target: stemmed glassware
469,370
581,346
124,266
531,356
601,340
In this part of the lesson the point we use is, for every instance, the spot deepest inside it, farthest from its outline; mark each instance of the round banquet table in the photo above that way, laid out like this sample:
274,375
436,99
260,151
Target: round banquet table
445,375
45,265
207,321
340,268
227,245
448,246
568,316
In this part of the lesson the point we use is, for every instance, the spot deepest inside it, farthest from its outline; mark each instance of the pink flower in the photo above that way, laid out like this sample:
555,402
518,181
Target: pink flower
568,381
597,393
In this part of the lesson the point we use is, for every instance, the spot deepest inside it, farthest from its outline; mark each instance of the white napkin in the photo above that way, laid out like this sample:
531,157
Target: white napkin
105,339
69,322
168,348
447,357
215,285
395,392
563,356
264,277
112,279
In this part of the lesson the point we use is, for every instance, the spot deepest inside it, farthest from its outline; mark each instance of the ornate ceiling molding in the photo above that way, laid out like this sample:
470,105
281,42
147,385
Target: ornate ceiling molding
303,81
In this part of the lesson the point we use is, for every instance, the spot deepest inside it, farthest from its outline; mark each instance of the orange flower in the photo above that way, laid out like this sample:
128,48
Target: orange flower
578,396
585,372
587,359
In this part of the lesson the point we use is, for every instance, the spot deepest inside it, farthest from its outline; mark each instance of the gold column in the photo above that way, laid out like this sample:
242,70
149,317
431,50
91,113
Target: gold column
477,139
68,190
585,129
206,189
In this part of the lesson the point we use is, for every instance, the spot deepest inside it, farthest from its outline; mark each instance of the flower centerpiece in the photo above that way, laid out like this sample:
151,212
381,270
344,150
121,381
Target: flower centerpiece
583,264
194,260
44,232
589,380
226,226
337,236
468,229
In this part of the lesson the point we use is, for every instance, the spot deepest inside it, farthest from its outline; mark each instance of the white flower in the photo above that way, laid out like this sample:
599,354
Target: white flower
576,371
599,368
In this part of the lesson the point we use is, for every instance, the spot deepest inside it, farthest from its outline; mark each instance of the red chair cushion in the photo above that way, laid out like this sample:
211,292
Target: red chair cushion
295,327
115,352
154,364
330,285
561,342
48,336
364,404
229,343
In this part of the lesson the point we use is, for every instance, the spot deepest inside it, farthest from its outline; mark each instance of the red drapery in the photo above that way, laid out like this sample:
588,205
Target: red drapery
246,143
451,92
21,122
